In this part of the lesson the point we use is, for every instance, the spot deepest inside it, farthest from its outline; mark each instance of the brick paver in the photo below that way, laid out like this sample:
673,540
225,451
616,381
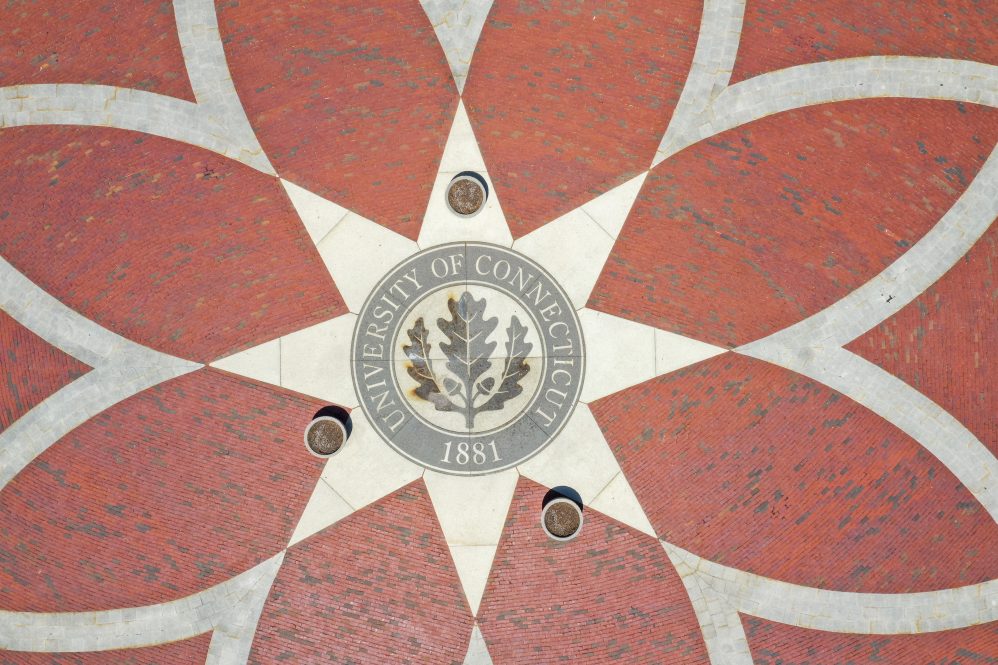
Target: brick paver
377,587
74,41
609,595
750,231
784,33
30,371
358,99
778,644
947,338
761,469
580,103
169,245
164,494
185,652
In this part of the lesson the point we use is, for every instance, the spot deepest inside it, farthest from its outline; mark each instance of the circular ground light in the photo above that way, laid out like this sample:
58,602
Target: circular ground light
325,436
561,519
466,194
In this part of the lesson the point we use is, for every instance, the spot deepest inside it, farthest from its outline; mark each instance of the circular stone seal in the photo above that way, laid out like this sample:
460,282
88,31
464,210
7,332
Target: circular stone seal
468,358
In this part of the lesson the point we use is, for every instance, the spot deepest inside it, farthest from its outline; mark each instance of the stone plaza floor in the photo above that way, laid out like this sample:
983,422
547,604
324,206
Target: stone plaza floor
722,273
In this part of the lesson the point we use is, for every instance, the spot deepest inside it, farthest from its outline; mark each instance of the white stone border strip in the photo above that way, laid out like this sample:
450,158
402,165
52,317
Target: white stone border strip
217,122
840,611
223,606
838,80
121,368
713,61
720,625
901,405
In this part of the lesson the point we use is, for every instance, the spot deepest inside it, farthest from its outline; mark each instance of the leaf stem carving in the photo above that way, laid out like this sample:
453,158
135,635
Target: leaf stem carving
468,352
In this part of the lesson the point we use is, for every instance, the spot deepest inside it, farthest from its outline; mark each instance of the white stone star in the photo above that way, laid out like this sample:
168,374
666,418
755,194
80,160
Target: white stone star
471,509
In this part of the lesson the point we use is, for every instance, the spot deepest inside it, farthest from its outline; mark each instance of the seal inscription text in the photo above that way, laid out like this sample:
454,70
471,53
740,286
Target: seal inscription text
468,358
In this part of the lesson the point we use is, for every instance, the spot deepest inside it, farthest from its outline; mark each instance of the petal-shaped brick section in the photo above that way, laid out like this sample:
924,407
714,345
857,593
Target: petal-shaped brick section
186,652
610,594
79,41
945,342
31,369
778,644
570,99
169,492
377,587
169,245
745,233
352,100
784,33
761,469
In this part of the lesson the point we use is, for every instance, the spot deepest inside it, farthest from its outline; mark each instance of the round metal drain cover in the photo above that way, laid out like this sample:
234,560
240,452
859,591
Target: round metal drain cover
325,436
466,194
562,519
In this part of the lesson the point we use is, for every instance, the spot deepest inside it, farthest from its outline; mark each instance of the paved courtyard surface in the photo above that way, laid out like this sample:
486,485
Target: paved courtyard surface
731,285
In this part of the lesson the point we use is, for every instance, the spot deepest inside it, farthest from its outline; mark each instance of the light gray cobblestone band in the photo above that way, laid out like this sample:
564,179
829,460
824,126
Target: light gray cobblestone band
905,279
217,122
67,329
901,405
713,61
220,606
838,611
122,108
71,406
121,369
813,346
233,637
838,80
720,625
208,71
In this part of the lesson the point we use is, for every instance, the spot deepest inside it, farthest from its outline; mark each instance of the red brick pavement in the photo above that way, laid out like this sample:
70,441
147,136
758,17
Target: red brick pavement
30,370
758,468
186,652
609,595
169,245
81,41
945,343
163,495
378,587
352,100
778,644
750,231
783,33
571,98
